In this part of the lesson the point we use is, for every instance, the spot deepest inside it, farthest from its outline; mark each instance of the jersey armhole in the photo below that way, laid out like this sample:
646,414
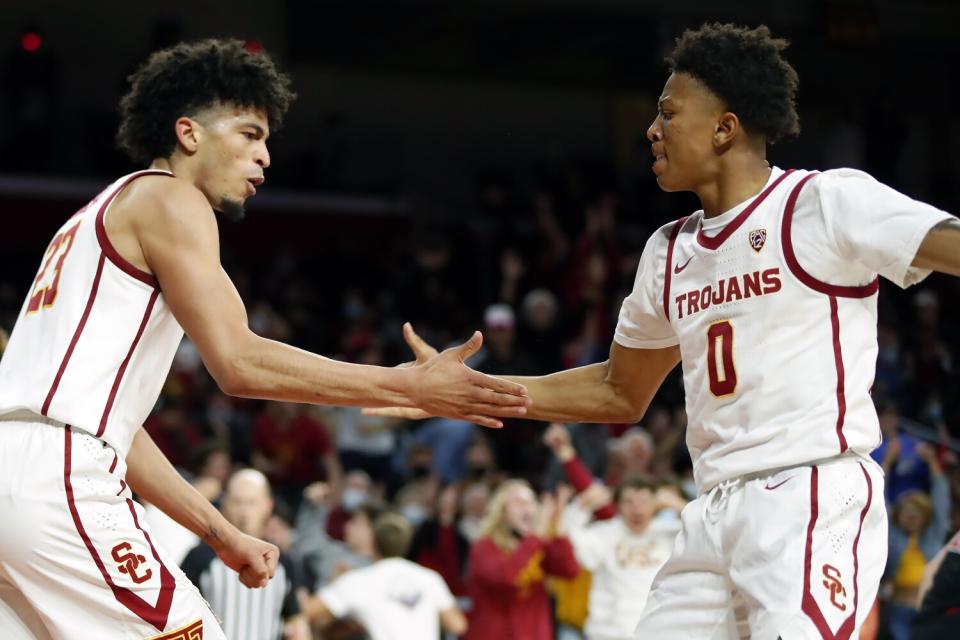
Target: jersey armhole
107,247
674,232
789,254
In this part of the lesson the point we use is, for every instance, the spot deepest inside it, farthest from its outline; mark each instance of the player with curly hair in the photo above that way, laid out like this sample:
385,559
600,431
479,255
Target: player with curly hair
120,283
768,297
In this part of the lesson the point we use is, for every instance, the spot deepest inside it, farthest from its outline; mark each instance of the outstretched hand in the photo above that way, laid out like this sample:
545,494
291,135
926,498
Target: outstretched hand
445,386
421,350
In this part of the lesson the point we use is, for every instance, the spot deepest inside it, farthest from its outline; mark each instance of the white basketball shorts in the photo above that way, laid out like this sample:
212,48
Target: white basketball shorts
76,557
796,555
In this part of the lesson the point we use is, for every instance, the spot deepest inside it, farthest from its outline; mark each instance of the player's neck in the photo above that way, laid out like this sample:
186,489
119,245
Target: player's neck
178,165
739,179
163,164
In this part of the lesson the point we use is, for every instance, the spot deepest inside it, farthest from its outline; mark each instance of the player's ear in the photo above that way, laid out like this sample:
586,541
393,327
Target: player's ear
726,129
189,133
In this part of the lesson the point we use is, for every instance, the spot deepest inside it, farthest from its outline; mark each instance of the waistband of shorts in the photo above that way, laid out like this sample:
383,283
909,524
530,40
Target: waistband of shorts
25,415
846,457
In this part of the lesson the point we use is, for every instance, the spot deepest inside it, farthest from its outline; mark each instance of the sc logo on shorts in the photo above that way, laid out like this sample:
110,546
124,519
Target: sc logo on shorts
832,582
128,562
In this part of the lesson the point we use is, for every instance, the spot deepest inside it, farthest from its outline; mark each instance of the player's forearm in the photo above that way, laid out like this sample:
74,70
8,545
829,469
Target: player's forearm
584,394
940,250
151,476
271,370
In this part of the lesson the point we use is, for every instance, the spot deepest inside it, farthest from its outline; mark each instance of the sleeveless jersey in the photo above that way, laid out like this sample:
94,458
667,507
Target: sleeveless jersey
774,306
94,339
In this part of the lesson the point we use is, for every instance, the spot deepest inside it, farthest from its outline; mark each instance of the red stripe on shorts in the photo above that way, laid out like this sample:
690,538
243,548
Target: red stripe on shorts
809,604
154,615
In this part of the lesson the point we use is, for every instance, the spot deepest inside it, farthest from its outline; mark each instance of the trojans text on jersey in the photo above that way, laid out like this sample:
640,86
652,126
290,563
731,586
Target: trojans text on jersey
758,283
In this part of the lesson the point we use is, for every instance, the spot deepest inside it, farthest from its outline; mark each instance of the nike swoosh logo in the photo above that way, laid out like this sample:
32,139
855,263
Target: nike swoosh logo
779,484
680,267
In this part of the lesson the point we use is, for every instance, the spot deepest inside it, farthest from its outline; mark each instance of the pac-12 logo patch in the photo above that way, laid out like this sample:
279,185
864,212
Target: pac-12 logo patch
757,238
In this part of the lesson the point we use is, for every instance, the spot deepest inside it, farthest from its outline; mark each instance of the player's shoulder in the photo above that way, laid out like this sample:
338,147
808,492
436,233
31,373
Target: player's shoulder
164,199
838,181
660,239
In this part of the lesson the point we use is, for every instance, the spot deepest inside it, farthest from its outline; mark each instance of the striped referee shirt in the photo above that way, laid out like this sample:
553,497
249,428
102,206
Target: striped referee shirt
247,614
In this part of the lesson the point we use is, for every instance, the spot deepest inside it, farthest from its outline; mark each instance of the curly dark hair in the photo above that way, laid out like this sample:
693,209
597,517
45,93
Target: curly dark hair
745,68
189,77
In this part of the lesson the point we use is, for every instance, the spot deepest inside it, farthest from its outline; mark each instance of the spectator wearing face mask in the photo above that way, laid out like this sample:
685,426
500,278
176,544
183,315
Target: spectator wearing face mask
355,490
325,557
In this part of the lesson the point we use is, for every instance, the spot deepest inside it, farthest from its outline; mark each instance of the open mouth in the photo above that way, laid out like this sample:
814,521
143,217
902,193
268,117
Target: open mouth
253,184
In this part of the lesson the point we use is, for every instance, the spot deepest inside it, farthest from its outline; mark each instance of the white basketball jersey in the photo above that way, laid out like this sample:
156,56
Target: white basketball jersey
774,306
94,340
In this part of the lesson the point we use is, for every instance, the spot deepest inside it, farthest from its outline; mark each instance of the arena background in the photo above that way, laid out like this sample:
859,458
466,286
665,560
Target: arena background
446,156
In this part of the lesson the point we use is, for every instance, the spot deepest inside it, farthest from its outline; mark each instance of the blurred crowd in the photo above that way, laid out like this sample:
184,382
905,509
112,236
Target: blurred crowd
543,530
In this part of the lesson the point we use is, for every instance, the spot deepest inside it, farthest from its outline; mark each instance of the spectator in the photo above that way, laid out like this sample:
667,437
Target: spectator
500,354
255,614
481,461
214,467
585,442
939,598
519,546
558,438
474,501
629,456
174,432
919,524
325,557
356,489
438,446
364,442
903,467
516,449
439,545
394,599
541,331
623,554
415,501
293,449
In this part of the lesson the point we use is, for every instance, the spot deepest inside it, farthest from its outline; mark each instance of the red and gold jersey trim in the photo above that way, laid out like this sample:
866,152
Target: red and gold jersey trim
193,631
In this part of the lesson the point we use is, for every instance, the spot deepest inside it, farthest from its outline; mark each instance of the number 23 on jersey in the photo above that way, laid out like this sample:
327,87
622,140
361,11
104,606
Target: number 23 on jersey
48,279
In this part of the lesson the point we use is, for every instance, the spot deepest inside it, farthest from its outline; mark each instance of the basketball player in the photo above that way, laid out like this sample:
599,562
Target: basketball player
120,283
768,297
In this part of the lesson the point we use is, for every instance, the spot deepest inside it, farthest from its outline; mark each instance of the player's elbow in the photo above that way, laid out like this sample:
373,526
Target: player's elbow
631,410
234,369
235,377
233,383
